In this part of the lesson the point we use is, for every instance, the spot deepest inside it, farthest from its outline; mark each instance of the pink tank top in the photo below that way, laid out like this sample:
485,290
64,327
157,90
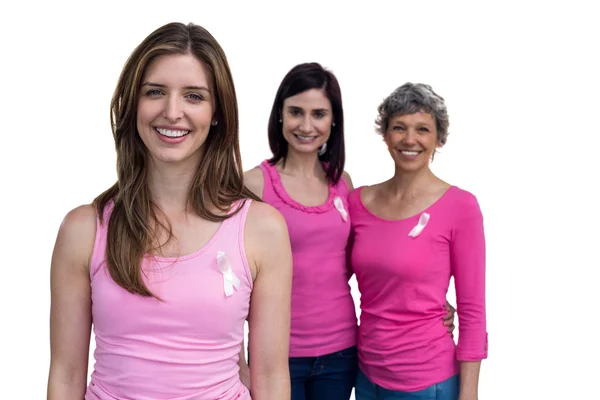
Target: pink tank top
323,313
185,347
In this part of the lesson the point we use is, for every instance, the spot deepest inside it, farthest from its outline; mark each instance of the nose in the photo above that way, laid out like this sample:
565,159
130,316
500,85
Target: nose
173,110
410,137
306,124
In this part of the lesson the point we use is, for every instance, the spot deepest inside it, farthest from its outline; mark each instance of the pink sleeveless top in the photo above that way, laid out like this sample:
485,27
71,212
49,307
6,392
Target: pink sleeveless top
185,347
323,313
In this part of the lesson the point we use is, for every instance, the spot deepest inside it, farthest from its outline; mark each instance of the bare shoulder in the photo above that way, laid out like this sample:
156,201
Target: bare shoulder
265,235
80,221
76,236
255,181
264,220
348,180
369,193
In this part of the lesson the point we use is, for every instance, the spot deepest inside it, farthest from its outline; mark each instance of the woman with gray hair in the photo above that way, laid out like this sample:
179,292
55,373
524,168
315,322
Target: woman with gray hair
410,235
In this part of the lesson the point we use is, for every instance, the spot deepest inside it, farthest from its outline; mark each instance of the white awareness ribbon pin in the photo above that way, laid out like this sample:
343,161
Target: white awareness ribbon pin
337,202
416,231
229,279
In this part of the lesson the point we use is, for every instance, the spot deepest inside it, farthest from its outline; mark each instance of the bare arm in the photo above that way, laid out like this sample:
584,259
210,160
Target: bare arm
70,309
254,181
268,248
469,380
244,368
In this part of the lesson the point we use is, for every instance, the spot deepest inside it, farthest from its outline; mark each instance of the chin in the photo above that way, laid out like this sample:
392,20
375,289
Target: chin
172,157
169,159
306,149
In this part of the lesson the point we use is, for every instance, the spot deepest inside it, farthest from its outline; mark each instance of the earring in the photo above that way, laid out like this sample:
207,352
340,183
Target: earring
214,123
333,124
322,149
280,120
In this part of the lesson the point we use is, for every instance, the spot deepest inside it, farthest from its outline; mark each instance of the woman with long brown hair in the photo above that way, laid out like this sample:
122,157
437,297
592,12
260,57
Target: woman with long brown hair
167,261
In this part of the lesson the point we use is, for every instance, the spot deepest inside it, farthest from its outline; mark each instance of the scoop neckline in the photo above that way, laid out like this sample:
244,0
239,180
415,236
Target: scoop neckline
412,217
205,247
286,198
191,255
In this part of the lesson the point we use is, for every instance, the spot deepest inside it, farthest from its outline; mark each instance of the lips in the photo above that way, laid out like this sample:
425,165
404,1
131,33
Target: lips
172,133
410,153
305,139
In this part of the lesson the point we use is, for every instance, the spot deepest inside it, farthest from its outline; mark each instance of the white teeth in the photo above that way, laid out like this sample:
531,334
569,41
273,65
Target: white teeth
305,138
409,153
172,133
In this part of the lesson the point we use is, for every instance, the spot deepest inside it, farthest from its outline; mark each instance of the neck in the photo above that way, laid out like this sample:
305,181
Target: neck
409,183
170,184
305,165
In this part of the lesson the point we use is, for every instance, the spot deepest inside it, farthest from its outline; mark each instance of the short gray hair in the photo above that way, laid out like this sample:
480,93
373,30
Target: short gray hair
411,98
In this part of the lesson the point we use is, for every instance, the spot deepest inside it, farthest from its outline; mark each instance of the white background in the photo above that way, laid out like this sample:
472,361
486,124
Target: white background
521,84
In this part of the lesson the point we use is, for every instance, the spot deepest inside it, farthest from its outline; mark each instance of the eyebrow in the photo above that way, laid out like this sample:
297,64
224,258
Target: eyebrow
185,87
427,124
315,109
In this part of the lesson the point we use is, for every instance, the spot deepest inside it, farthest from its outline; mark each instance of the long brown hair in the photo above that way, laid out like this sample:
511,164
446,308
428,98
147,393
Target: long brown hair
133,224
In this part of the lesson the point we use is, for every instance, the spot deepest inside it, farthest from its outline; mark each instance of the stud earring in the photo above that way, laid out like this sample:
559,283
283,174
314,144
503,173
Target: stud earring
214,123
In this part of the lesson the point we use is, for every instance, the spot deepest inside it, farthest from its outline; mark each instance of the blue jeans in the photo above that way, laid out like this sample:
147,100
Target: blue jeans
328,377
446,390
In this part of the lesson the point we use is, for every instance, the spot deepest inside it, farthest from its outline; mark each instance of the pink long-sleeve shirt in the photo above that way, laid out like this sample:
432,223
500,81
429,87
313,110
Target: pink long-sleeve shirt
403,280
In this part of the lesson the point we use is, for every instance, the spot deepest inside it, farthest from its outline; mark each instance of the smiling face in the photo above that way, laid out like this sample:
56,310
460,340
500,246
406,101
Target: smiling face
307,119
411,140
175,108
